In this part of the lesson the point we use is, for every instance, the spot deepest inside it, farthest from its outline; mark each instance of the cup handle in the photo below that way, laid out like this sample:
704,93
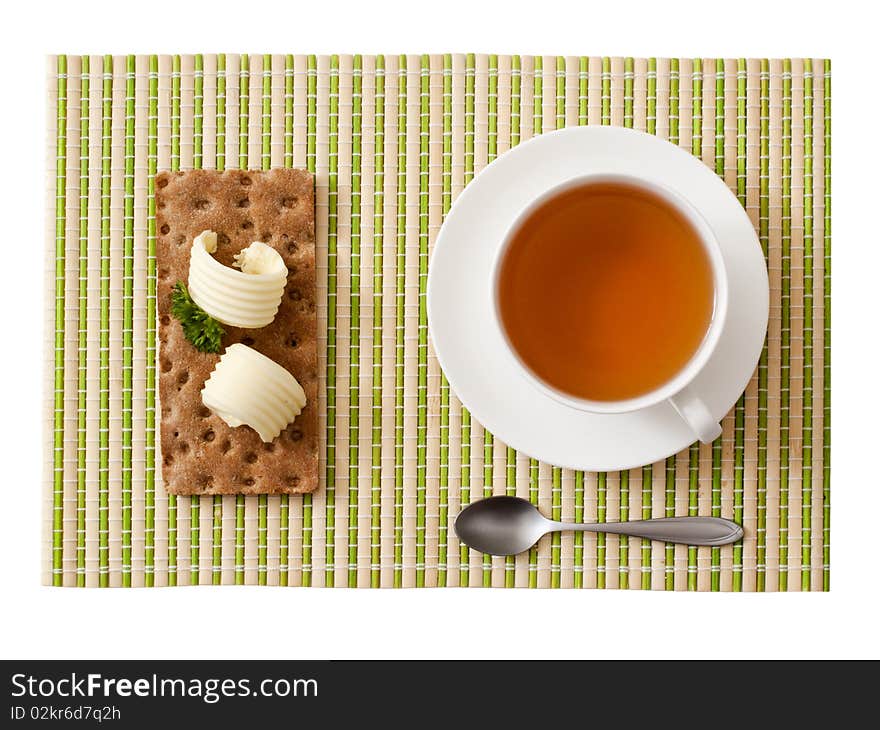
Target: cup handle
695,414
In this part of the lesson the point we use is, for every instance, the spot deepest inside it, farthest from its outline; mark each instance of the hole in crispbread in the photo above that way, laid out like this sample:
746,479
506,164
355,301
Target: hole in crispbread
249,481
296,434
248,341
250,457
161,205
247,225
291,340
244,203
165,229
265,237
245,180
292,481
204,411
204,481
165,320
289,202
180,240
183,447
209,435
183,378
222,239
226,446
166,365
162,182
269,447
202,204
295,295
292,247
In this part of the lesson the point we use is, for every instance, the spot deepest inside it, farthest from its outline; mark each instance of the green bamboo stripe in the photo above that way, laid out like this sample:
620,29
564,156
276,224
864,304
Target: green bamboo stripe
537,128
764,237
694,475
515,117
82,324
311,166
693,511
220,162
533,498
198,134
465,485
265,164
648,470
555,541
354,350
669,511
669,558
243,130
740,412
60,262
400,312
715,581
150,411
198,109
601,516
623,542
266,114
175,165
515,99
243,110
446,204
378,284
488,439
422,411
332,242
510,491
602,490
807,474
785,334
623,545
127,316
826,340
578,579
104,335
284,500
647,486
556,477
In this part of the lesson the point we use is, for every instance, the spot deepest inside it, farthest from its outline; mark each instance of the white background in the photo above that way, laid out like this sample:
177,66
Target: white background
41,622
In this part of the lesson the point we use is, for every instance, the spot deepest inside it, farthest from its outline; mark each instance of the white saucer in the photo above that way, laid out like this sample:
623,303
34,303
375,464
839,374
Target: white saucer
469,344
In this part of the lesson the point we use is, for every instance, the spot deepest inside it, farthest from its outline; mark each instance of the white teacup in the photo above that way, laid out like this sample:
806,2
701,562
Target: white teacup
678,390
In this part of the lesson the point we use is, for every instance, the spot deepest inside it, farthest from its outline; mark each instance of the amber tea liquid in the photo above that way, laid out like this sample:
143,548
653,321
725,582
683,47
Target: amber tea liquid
605,291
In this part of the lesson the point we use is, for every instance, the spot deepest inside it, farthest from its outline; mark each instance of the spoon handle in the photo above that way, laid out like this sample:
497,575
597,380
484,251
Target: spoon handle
685,530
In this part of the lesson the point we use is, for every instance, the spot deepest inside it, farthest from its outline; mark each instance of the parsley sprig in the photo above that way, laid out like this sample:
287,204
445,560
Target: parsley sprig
203,331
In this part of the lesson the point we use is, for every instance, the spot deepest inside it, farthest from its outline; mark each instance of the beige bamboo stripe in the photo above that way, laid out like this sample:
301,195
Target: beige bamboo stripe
394,83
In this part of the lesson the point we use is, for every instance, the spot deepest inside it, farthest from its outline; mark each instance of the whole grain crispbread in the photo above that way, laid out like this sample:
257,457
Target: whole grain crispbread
200,453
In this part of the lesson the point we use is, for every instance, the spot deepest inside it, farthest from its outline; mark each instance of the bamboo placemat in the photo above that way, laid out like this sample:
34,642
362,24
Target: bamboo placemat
392,141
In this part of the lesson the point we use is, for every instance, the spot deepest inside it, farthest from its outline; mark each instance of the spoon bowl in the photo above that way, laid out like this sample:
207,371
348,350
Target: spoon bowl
509,525
501,525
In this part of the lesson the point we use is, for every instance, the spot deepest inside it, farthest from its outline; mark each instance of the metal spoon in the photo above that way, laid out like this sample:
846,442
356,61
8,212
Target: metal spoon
510,525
